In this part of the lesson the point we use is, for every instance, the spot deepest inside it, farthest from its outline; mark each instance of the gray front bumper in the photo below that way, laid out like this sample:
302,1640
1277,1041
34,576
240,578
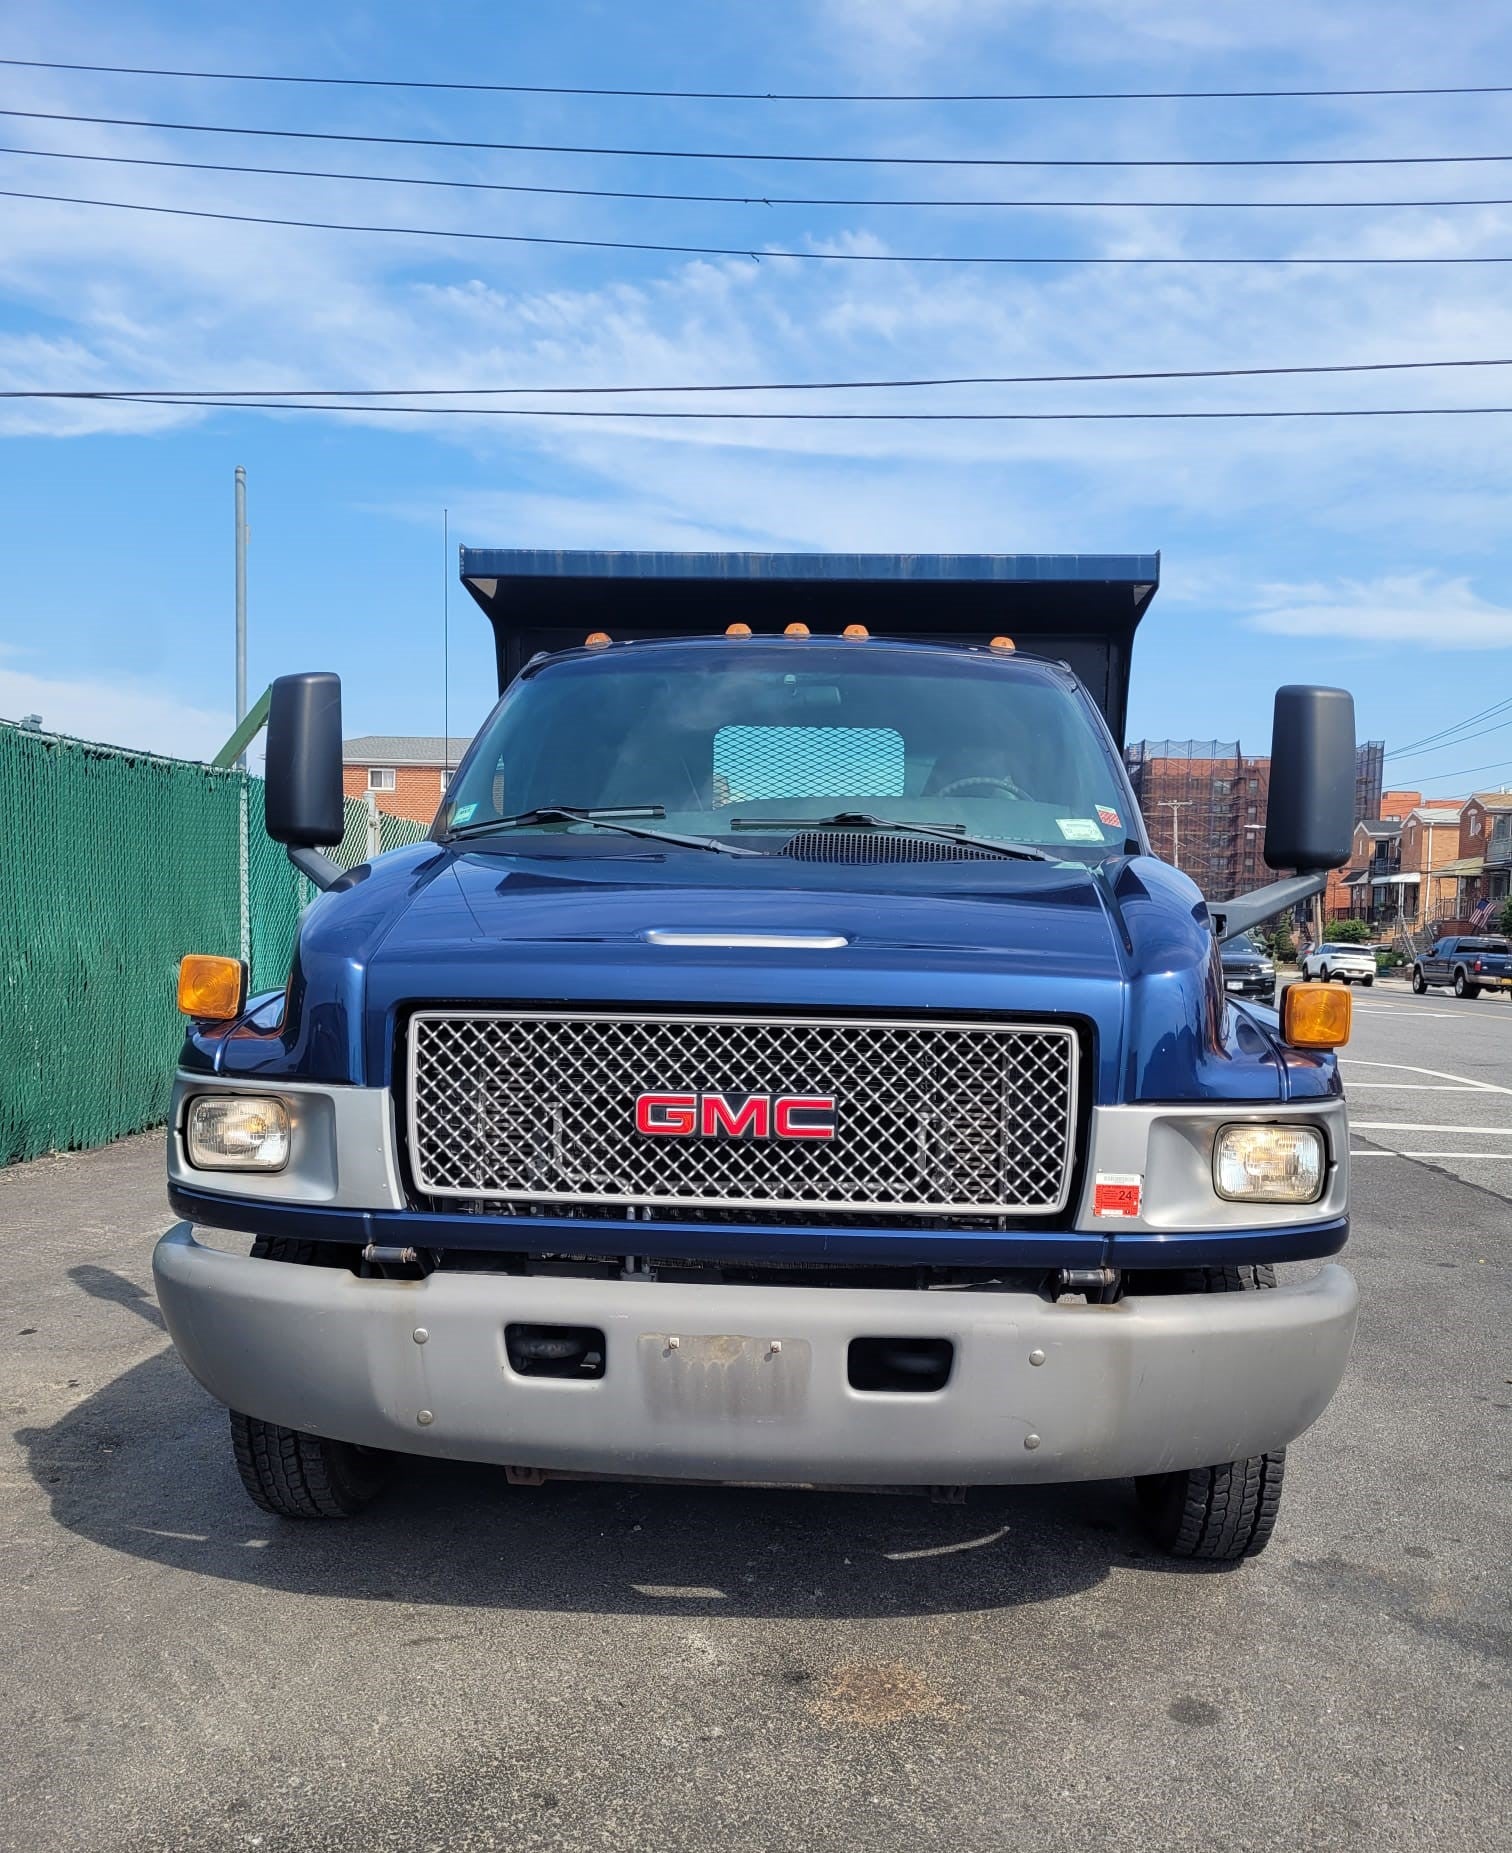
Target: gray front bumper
755,1387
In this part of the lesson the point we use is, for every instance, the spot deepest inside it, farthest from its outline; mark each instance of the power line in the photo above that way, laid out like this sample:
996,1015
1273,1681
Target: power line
613,412
731,154
755,199
1436,259
1448,746
961,379
1442,733
1465,771
768,96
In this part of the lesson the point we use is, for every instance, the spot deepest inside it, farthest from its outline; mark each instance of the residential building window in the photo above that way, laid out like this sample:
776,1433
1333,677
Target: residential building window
380,778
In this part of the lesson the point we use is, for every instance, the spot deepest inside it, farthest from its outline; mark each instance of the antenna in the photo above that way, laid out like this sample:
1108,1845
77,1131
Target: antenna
445,647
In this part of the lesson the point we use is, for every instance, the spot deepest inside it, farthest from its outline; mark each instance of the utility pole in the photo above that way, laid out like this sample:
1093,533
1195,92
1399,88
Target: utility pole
1174,806
241,604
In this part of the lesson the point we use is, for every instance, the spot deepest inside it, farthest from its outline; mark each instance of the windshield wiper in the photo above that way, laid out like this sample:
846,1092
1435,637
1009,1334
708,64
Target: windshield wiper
607,817
863,820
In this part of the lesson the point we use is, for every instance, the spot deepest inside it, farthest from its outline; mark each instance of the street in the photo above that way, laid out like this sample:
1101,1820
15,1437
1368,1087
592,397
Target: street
475,1665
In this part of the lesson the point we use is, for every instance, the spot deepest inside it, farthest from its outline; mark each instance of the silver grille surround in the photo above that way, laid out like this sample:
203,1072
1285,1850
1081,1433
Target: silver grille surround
536,1106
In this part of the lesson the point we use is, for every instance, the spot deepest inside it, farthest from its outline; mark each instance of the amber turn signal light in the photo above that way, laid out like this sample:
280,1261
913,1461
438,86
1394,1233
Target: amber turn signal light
737,630
595,640
211,988
796,630
855,630
1316,1016
1002,643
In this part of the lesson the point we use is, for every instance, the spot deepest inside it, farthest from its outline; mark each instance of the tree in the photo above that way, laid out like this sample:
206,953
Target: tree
1504,919
1351,932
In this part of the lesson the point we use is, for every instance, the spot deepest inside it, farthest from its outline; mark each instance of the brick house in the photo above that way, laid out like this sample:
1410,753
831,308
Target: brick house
1483,867
1430,843
406,773
1374,852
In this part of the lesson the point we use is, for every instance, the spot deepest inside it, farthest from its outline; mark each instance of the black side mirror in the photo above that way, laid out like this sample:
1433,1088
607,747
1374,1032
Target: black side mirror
303,801
1309,823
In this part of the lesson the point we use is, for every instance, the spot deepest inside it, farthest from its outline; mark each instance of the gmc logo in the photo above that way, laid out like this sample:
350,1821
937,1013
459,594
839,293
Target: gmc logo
736,1116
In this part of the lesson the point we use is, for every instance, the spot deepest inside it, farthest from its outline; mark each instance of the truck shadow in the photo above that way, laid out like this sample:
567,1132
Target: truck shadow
144,1467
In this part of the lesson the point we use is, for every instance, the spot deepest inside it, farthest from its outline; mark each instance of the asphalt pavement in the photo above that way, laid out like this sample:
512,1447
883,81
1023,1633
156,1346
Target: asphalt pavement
474,1665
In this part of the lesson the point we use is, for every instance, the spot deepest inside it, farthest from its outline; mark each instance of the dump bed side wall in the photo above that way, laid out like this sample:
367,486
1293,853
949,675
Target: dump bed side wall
1078,609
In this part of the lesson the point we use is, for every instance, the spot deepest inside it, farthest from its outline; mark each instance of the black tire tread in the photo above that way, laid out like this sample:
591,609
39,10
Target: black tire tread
294,1475
287,1472
1222,1513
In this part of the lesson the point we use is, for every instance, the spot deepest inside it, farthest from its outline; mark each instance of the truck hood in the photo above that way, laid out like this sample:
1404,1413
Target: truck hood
1130,957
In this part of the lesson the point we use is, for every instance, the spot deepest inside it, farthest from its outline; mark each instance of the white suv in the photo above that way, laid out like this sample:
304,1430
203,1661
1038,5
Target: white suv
1348,963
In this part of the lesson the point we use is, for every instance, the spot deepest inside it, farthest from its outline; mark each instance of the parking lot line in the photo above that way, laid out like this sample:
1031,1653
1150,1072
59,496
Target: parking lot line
1490,1157
1488,1132
1437,1074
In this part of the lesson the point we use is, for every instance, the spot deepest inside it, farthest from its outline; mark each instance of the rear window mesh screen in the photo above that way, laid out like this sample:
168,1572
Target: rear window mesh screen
807,762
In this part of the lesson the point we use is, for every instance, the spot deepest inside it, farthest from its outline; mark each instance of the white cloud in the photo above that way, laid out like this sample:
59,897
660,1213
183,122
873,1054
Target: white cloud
120,712
1429,611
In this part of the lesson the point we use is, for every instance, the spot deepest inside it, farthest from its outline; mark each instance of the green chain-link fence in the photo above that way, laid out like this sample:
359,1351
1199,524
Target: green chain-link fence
112,866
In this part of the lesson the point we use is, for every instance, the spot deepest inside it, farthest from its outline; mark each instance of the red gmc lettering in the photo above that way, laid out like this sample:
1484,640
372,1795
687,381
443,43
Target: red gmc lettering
674,1114
751,1119
805,1116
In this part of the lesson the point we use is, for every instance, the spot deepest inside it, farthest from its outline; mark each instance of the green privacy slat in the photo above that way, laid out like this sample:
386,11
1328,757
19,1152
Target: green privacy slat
112,866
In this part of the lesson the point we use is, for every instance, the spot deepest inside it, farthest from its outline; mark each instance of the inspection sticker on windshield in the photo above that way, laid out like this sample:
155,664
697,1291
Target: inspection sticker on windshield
1079,829
1116,1194
1107,815
463,813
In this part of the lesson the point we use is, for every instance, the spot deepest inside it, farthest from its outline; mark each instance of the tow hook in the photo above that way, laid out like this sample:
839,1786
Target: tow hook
1101,1285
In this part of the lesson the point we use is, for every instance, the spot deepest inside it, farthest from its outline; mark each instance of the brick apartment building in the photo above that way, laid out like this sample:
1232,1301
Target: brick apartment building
406,773
1204,804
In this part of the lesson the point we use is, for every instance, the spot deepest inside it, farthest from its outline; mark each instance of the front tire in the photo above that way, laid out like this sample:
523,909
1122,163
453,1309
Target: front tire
1419,982
287,1472
1227,1512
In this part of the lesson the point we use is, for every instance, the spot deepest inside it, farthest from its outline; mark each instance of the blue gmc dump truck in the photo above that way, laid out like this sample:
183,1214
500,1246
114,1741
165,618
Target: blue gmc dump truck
785,1063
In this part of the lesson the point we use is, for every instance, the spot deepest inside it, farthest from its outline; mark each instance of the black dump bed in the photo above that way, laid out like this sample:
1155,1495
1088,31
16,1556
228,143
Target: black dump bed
1080,608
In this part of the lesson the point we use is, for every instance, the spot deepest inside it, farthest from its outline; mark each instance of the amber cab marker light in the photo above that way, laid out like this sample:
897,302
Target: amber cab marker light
737,630
595,640
1002,643
1316,1016
210,988
796,630
855,630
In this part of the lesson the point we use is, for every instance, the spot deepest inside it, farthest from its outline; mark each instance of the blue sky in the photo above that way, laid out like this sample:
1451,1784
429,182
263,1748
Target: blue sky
1372,553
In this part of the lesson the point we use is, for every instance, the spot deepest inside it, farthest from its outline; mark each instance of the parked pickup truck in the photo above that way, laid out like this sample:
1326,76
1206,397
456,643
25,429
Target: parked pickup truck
784,1063
1469,964
1342,960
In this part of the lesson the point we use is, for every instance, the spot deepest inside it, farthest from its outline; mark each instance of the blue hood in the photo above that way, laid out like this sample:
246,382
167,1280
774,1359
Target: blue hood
1134,962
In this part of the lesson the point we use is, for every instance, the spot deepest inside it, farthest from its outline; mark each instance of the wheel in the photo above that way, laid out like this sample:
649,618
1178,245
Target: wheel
1419,982
1325,974
1223,1513
1367,982
289,1473
1463,987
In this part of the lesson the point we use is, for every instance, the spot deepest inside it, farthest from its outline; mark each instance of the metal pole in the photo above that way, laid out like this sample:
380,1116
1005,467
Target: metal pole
241,603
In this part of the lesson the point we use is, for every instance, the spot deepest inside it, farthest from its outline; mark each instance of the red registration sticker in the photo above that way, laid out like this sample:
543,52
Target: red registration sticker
1115,1195
1107,815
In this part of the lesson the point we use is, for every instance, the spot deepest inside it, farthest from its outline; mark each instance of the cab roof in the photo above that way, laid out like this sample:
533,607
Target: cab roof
1078,608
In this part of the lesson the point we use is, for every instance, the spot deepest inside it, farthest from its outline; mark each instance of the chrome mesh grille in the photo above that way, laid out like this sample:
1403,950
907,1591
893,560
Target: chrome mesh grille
932,1118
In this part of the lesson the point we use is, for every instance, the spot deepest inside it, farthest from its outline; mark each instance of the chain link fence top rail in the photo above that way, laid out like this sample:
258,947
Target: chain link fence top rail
112,866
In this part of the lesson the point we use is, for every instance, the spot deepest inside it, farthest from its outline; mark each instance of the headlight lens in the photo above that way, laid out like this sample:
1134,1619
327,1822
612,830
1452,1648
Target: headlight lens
237,1132
1269,1164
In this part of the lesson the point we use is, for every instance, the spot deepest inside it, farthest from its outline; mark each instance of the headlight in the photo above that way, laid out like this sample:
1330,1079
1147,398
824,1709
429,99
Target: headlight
1269,1164
237,1132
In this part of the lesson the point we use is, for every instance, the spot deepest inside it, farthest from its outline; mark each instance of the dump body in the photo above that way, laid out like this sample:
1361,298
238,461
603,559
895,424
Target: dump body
785,1061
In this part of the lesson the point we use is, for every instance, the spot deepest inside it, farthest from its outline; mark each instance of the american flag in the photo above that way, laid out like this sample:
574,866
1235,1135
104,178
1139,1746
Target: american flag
1481,913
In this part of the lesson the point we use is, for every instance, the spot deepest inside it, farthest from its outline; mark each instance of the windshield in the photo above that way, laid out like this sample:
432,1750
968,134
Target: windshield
783,733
